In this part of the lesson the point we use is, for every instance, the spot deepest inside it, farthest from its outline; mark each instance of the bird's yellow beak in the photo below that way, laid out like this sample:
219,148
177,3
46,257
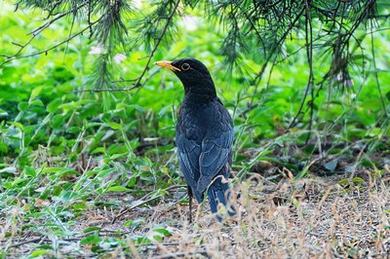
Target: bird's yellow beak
167,65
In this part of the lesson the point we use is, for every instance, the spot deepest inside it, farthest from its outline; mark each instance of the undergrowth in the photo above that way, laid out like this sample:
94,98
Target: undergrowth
87,174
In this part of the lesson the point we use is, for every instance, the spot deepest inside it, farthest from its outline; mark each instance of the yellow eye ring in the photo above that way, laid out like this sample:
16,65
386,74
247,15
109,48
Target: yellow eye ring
185,66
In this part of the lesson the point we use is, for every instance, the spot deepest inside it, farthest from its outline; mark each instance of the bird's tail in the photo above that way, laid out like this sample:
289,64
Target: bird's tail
218,192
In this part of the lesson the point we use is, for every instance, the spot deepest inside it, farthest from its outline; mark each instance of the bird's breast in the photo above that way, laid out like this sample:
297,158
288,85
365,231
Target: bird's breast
199,121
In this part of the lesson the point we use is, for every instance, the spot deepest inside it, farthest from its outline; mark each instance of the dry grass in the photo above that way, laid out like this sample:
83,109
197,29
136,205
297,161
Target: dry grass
314,217
308,218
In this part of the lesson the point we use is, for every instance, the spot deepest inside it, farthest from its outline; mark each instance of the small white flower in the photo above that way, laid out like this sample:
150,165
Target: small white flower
137,4
349,83
190,23
96,50
340,76
119,58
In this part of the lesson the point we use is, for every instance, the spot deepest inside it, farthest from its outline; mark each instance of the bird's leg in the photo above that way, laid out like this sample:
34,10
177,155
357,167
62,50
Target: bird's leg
190,203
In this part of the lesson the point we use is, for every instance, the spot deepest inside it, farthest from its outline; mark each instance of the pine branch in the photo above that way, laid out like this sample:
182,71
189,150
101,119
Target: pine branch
255,28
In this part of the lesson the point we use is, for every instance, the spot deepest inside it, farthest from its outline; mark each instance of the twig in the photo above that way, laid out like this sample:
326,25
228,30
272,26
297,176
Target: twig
259,75
38,239
121,89
58,17
36,32
140,203
137,80
183,254
50,48
169,19
309,54
376,72
309,43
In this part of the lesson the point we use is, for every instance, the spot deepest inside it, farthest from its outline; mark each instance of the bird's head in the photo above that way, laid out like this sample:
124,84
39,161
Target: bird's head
192,73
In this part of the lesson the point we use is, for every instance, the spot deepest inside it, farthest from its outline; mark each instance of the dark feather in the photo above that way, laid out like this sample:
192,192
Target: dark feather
204,135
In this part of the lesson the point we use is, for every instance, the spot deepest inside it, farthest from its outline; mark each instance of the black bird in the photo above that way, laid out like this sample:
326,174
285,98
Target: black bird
204,135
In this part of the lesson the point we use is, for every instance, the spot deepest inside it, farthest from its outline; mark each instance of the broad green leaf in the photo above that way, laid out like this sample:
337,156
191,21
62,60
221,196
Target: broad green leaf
35,92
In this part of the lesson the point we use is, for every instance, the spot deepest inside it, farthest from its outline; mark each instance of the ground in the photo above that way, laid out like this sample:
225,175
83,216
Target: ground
320,217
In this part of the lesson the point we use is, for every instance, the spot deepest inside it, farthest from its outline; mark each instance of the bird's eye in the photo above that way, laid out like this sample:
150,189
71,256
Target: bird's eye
185,66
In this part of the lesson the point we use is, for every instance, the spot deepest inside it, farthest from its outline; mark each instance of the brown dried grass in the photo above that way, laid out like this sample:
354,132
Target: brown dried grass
313,217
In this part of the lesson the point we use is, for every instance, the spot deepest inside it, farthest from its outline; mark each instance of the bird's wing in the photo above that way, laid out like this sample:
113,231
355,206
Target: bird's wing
214,156
188,152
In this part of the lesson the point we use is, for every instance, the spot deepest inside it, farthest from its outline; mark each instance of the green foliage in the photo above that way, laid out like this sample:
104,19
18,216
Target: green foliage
65,152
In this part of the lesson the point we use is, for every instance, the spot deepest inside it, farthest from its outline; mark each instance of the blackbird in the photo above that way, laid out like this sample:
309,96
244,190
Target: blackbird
204,135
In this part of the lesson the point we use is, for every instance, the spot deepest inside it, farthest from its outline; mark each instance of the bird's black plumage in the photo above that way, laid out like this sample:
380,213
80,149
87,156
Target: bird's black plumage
204,135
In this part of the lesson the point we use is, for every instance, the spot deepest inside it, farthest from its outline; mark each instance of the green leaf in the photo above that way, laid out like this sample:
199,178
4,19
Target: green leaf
54,105
134,223
142,240
40,252
22,106
114,125
90,240
117,188
35,92
163,231
132,181
358,181
3,147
